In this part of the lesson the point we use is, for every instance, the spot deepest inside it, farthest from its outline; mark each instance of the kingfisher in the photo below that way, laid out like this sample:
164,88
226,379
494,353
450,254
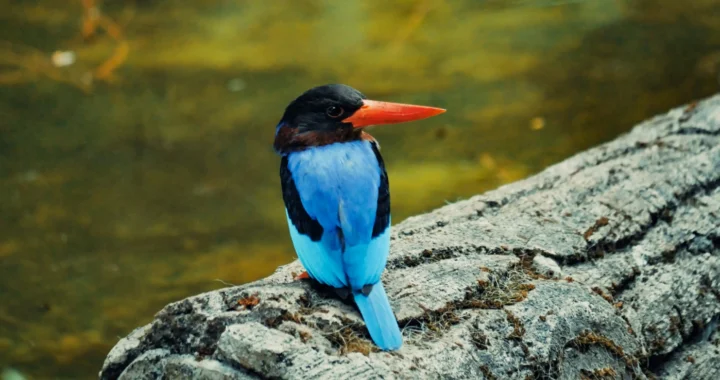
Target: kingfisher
337,198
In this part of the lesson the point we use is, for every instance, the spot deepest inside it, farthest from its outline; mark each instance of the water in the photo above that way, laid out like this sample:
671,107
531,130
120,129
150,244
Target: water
141,172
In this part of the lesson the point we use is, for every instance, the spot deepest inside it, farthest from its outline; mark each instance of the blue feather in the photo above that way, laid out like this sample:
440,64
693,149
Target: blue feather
364,263
321,260
379,318
338,187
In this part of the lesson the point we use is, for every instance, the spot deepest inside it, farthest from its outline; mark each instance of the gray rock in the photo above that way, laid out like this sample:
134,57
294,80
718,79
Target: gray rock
546,267
606,265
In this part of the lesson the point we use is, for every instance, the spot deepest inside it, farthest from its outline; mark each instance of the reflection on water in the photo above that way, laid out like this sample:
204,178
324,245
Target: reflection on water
136,169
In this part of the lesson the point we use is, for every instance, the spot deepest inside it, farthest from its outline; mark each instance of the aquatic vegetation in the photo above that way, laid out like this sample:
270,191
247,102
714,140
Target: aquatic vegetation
11,374
22,63
94,19
414,185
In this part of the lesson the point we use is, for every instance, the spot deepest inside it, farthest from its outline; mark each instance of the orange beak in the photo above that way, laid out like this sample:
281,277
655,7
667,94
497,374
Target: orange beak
375,113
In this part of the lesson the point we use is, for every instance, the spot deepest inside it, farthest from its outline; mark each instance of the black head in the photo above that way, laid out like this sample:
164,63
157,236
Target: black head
323,108
337,113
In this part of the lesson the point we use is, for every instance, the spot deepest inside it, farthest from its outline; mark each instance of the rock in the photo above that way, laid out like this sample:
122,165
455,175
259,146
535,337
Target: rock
546,266
606,265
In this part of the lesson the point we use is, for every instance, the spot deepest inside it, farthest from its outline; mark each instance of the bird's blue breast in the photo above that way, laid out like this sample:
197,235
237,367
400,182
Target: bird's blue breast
338,186
338,208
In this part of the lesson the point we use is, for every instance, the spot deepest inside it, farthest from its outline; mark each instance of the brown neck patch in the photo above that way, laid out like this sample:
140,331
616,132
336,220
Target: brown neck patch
367,137
289,140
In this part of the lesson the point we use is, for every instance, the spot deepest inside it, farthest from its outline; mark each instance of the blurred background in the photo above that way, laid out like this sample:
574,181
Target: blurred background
136,166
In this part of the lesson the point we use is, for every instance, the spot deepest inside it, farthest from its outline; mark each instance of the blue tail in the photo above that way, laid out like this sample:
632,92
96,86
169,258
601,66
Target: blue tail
379,318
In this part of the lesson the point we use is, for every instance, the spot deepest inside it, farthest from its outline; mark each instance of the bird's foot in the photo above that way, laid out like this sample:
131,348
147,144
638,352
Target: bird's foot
301,276
342,292
367,289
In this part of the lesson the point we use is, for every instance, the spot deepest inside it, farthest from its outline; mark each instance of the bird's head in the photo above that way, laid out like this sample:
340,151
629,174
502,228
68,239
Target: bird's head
337,113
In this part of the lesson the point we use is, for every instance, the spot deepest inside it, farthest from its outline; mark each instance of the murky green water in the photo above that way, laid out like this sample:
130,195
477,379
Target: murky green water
143,172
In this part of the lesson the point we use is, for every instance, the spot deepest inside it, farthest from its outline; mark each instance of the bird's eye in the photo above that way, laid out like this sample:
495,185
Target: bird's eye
334,111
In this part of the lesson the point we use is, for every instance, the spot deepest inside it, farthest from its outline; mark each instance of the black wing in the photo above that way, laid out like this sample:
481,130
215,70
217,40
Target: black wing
296,211
382,215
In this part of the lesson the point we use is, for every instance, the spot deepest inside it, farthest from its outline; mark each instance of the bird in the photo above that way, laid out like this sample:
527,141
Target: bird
336,194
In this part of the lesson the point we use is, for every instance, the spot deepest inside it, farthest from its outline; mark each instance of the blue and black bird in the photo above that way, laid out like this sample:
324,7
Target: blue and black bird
337,198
